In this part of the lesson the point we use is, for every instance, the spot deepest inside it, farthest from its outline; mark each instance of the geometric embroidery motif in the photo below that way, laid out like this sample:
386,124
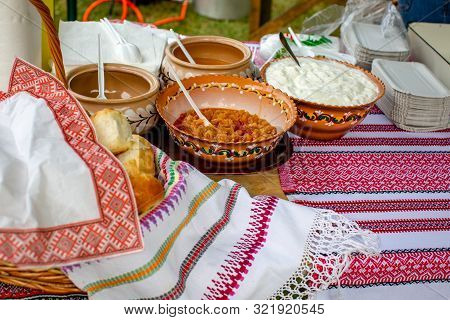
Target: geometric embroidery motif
240,259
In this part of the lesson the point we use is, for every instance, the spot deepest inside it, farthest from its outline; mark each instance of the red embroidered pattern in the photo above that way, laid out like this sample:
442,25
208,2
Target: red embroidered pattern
397,267
350,142
390,180
366,172
118,231
405,225
239,260
13,292
381,128
379,205
375,110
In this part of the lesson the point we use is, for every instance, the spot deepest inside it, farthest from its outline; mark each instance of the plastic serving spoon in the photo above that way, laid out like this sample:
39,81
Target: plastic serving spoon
188,96
127,52
304,51
288,48
100,71
182,47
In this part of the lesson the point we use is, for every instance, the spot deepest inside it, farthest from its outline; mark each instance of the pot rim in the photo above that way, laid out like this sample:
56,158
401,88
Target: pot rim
380,85
217,39
150,78
270,89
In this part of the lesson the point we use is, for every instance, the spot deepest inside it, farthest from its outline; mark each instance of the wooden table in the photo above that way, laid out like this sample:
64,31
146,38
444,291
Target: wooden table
262,183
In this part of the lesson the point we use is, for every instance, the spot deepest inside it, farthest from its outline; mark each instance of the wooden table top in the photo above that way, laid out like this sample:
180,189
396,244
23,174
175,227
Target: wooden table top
261,183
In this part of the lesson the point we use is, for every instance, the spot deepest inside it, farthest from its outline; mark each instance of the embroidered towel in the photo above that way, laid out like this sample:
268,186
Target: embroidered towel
211,240
63,197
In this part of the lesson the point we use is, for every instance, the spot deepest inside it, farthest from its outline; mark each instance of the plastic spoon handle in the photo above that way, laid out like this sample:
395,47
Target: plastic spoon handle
188,96
288,48
295,38
101,71
113,35
116,33
183,48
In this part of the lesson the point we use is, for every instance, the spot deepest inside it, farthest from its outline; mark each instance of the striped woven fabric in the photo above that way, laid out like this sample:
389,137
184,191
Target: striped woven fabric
210,240
390,181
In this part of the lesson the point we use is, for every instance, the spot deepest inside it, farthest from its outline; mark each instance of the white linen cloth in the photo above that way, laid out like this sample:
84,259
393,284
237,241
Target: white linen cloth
210,240
43,182
79,43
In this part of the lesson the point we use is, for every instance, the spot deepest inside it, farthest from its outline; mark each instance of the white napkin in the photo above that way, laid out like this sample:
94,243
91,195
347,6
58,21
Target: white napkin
43,181
79,43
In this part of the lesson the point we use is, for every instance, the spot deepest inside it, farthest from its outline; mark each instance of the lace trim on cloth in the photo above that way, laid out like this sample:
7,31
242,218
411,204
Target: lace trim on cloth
327,254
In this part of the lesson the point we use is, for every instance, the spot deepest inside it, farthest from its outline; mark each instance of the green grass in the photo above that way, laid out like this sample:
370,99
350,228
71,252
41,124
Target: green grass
194,24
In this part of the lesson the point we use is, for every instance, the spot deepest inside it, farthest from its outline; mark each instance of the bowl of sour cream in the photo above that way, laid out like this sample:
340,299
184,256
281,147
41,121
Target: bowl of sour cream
331,96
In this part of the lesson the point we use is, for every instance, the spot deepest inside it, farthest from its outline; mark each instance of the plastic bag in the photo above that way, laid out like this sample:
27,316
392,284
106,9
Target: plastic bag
324,22
377,12
374,29
392,21
367,11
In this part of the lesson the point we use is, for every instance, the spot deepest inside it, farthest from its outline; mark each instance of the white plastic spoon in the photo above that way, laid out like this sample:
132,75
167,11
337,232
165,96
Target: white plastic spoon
304,51
100,71
127,52
188,96
183,48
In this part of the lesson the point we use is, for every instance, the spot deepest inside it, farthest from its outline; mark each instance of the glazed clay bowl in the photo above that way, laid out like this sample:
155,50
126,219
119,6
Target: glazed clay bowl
328,122
212,54
131,90
230,92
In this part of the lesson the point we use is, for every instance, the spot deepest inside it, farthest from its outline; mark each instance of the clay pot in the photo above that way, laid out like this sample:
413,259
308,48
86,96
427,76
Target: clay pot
230,92
131,90
212,54
327,122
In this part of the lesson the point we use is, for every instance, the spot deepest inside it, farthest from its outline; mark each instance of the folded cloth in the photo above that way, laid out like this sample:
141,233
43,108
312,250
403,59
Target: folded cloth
210,240
79,43
64,198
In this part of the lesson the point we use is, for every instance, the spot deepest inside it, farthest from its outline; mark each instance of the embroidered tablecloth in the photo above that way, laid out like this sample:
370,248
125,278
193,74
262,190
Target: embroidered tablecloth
390,181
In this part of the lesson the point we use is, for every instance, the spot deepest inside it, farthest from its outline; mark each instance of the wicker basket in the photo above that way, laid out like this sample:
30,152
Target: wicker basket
50,280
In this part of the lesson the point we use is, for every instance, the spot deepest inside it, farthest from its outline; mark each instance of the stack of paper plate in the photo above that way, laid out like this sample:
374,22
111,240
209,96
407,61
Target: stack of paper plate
366,43
415,100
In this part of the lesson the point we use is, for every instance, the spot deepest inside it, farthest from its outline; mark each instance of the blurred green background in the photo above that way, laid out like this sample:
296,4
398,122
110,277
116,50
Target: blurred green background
194,24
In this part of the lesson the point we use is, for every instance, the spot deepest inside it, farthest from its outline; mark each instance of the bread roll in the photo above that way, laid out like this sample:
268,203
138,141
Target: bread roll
148,192
139,158
139,163
113,130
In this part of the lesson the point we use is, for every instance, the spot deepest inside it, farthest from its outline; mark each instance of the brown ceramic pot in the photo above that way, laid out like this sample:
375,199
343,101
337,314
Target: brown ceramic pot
230,92
130,90
327,122
212,54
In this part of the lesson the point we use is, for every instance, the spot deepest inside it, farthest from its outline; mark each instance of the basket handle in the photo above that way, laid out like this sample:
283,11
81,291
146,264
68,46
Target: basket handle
53,40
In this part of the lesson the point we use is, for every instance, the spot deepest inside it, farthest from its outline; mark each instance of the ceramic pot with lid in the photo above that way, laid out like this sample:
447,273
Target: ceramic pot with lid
212,54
